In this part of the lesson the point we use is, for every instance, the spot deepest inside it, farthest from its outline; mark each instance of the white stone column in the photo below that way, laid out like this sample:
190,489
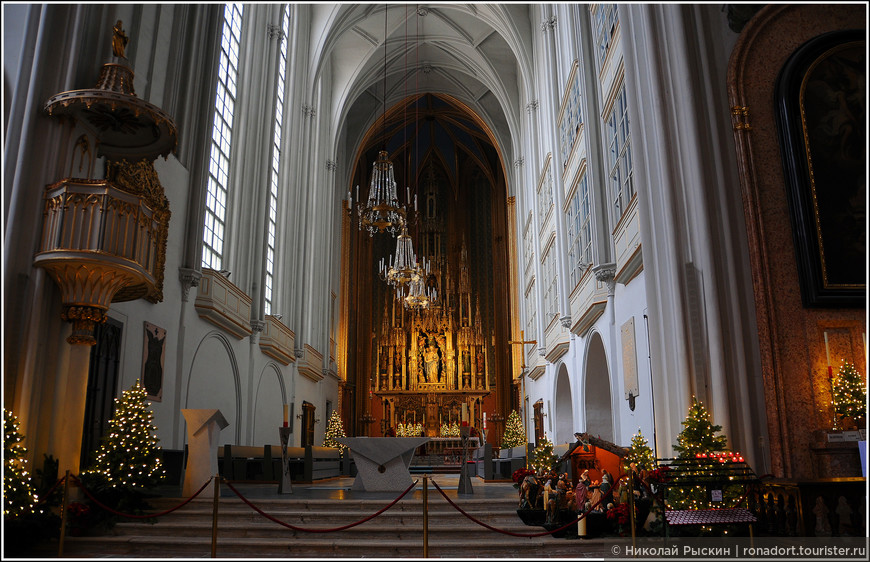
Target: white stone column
551,134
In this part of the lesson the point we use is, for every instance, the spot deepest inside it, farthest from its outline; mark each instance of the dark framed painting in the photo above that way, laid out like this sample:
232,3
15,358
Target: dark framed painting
821,118
152,361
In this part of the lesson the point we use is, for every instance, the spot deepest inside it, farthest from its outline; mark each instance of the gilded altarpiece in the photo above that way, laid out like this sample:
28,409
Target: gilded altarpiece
433,364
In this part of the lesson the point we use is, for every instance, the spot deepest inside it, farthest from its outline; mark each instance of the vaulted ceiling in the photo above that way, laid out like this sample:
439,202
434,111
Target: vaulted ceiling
381,59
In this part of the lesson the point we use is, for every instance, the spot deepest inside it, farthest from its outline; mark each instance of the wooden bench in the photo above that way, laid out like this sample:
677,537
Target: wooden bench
263,464
716,475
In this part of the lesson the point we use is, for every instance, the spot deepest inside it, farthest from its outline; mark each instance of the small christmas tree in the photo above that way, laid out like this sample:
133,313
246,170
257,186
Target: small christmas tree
698,435
129,456
19,497
543,457
334,431
639,453
696,446
849,396
514,432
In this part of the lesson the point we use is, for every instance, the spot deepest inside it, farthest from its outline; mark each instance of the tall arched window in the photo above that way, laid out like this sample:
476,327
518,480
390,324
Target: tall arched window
276,159
579,232
217,190
619,155
604,19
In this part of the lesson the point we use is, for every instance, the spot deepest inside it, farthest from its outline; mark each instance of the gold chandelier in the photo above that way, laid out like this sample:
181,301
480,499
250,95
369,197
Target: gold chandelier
382,211
403,268
420,296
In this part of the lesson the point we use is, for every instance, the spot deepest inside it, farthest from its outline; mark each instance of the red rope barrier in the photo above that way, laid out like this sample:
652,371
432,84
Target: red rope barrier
47,494
529,535
147,516
294,528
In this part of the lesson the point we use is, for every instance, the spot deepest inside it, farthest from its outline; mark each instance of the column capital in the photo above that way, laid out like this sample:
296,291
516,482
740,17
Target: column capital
83,320
331,165
274,31
532,106
548,24
605,273
518,163
189,278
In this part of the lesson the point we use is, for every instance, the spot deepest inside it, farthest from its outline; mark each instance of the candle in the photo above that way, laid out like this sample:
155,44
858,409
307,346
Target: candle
827,349
286,414
464,413
828,355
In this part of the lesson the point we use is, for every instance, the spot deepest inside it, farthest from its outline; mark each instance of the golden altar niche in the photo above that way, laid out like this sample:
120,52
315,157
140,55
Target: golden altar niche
432,364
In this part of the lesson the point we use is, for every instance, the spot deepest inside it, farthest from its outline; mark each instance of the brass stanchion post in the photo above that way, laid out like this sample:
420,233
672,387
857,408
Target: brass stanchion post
214,518
63,515
425,516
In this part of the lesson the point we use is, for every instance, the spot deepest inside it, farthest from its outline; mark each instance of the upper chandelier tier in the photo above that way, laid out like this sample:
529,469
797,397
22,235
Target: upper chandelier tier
382,211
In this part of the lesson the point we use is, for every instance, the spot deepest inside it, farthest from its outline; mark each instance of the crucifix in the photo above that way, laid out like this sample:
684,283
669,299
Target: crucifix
522,341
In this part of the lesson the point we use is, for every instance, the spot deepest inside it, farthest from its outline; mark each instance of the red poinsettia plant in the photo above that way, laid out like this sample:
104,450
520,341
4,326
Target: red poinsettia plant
619,512
520,475
659,475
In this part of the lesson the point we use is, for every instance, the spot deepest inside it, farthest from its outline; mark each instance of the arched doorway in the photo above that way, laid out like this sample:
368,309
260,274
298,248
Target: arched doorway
563,420
599,414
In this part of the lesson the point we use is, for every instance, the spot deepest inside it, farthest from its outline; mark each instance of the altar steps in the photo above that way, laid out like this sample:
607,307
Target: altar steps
436,469
396,533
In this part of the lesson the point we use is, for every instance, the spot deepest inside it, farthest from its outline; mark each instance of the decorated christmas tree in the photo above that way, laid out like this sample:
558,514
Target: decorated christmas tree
129,456
514,432
850,396
700,450
699,433
543,457
334,431
639,453
19,497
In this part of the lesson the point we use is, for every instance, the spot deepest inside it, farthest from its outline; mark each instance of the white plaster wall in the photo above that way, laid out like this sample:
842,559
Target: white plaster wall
213,383
630,302
268,412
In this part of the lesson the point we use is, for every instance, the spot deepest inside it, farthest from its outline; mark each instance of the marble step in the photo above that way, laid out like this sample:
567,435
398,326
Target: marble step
483,546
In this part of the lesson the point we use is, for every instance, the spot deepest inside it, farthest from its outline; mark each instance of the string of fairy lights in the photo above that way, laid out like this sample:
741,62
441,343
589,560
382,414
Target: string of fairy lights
19,497
129,455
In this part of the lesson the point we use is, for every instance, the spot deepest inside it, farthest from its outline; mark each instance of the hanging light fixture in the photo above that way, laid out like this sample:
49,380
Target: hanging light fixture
381,212
403,268
420,296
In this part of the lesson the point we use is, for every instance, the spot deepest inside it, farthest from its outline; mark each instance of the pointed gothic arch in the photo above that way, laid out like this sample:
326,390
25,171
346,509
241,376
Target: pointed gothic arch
596,391
271,395
563,412
214,360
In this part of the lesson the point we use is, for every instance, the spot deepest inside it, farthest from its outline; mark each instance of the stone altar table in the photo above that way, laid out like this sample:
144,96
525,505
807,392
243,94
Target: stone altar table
382,462
203,429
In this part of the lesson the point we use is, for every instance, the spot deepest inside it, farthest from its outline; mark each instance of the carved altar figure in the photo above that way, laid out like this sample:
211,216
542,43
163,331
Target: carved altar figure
430,357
